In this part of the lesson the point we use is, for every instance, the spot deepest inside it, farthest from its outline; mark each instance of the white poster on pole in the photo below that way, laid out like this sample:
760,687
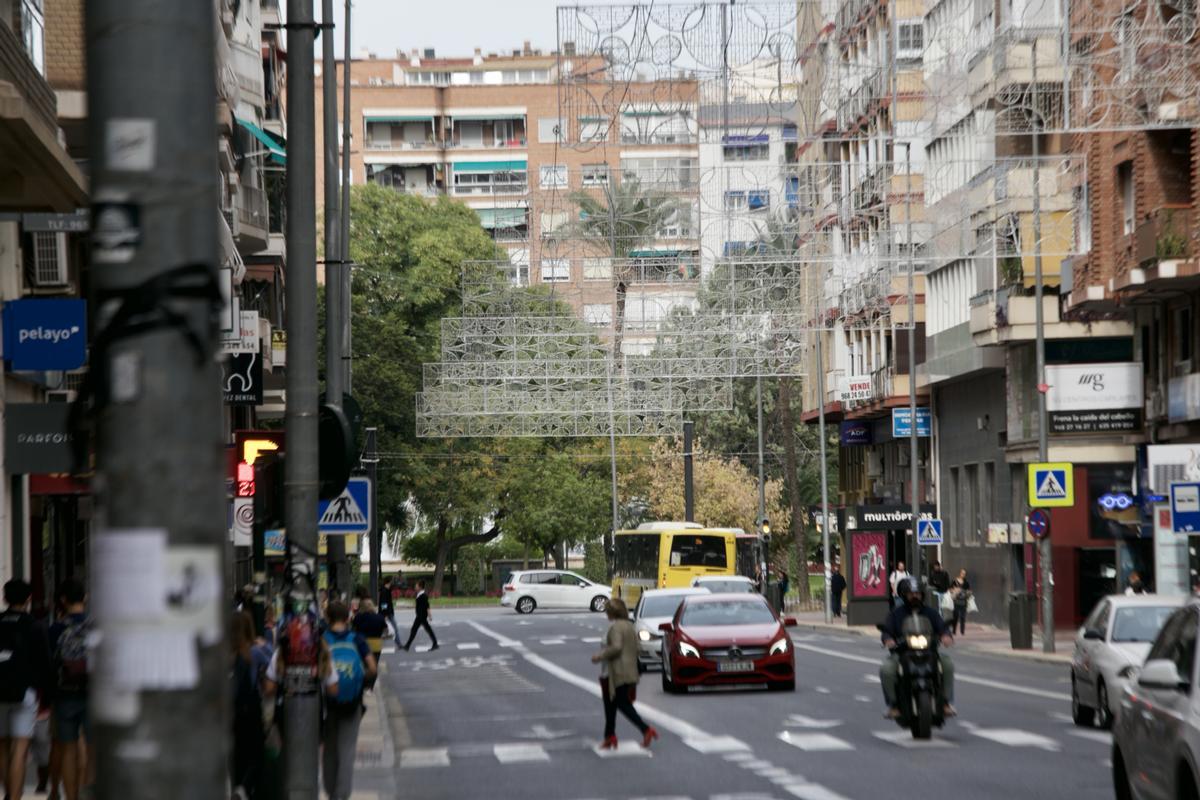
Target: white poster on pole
1172,575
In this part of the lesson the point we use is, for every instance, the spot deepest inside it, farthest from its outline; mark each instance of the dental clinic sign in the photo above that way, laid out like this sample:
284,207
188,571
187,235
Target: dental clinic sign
45,334
1090,398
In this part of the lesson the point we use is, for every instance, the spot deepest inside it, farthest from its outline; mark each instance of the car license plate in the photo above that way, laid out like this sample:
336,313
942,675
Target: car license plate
735,666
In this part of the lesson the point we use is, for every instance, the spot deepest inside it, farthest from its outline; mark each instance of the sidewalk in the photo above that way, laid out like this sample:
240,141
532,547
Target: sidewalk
375,757
984,639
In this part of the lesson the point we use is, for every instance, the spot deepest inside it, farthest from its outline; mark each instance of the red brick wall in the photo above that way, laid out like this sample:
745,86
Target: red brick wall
65,59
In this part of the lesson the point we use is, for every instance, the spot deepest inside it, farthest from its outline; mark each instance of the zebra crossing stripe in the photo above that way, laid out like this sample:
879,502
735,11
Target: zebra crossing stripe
520,753
417,758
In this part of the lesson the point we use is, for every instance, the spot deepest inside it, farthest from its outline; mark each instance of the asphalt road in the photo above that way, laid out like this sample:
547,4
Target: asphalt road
509,708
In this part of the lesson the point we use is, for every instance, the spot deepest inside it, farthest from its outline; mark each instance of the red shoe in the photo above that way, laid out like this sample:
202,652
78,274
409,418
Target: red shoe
649,737
609,743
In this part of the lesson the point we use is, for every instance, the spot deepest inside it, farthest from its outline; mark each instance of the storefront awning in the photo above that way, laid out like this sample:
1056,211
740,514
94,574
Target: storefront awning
275,147
490,166
395,118
501,217
485,117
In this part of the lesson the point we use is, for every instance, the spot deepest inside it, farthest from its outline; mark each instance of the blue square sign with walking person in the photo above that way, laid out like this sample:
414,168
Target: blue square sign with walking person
349,512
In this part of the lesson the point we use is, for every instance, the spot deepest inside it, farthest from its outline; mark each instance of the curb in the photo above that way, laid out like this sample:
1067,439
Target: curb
1059,659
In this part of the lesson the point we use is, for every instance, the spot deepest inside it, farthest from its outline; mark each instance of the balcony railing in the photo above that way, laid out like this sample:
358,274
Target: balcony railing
486,190
501,144
252,207
394,144
1165,235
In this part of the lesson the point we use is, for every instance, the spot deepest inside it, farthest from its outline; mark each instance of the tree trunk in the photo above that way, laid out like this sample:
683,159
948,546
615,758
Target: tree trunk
443,550
556,555
791,480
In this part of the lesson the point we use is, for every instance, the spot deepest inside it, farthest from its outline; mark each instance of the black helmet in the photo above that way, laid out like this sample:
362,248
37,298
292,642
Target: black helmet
910,586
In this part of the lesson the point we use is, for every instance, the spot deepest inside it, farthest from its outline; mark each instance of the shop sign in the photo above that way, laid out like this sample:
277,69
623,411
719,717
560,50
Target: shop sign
1094,398
854,432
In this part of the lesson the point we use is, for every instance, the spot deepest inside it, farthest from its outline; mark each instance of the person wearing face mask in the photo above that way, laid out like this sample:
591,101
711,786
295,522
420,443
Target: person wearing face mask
889,670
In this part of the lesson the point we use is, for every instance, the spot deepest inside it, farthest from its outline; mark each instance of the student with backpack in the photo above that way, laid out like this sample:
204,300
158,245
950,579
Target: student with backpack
24,673
354,665
69,645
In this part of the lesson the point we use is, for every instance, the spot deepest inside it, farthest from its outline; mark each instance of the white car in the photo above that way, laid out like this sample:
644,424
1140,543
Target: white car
655,607
526,590
724,584
1156,737
1110,646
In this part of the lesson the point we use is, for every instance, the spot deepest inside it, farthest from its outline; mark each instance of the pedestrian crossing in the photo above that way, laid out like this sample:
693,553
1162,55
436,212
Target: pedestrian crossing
539,641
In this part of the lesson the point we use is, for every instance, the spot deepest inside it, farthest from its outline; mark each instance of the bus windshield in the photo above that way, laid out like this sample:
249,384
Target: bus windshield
690,550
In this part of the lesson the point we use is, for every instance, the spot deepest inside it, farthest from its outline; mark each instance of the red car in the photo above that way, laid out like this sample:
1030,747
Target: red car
723,639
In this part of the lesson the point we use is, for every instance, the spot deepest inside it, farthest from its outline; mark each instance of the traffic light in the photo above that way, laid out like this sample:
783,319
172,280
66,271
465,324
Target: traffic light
764,527
267,490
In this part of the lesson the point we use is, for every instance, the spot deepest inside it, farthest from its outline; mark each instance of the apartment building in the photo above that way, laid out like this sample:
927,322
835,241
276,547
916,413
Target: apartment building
493,131
40,283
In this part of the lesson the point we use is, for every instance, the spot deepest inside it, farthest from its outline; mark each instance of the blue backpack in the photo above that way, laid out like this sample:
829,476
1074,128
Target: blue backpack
343,647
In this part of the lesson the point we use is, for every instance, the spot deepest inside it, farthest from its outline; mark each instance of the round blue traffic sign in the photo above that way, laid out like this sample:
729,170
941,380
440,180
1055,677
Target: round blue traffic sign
1038,523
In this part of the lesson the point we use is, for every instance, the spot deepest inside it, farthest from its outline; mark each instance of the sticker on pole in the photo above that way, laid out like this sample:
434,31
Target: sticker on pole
1051,485
349,512
929,531
1185,507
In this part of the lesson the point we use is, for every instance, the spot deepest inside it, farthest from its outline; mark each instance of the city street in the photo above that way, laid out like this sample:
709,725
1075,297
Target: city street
509,707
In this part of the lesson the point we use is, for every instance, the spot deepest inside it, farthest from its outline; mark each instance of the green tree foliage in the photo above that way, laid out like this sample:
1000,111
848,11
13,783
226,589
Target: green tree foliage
624,218
595,565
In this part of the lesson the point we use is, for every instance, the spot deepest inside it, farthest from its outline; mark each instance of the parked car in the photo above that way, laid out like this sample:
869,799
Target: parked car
1111,645
1156,735
724,584
722,639
526,590
656,606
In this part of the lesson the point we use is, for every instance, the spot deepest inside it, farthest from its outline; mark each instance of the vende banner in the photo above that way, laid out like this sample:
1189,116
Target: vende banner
1089,398
856,387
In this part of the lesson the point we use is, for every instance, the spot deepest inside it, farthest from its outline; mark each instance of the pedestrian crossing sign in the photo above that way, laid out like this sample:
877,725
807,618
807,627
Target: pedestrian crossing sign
1051,485
349,512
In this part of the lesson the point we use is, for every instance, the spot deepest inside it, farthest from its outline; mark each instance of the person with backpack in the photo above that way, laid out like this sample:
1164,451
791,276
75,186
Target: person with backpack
24,674
354,666
372,626
69,645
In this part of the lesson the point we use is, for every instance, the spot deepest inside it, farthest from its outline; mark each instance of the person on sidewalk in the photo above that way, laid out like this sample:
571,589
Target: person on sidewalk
422,618
24,674
69,645
247,755
354,665
898,574
837,585
619,675
939,579
387,608
960,590
371,625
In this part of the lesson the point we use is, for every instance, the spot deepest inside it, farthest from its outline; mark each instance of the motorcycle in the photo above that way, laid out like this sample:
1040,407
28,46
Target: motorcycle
919,691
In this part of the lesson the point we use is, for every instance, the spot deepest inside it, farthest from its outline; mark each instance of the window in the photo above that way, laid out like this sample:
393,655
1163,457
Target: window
698,551
33,32
597,269
476,77
911,39
747,152
735,201
1177,643
555,270
1128,200
595,174
553,176
1083,220
987,485
551,130
953,537
567,579
758,199
593,129
599,314
1183,334
635,555
553,221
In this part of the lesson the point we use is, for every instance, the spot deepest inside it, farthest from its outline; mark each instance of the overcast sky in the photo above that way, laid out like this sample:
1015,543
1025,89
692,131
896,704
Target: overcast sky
451,27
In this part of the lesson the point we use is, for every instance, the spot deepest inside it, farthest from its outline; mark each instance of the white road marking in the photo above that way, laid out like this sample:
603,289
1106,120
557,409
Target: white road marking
958,677
756,764
815,742
871,679
801,721
813,791
551,641
770,773
822,690
717,744
1014,737
905,739
415,758
520,753
862,698
1061,717
468,646
591,640
624,752
1103,737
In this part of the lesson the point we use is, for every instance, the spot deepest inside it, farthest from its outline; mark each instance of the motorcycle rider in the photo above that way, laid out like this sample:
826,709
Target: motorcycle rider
889,671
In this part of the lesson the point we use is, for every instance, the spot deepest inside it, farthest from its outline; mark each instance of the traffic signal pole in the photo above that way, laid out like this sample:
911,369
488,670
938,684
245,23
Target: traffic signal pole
156,403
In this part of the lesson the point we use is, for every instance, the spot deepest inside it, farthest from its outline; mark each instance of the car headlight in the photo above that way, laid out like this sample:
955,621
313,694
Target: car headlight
644,635
918,642
778,648
688,650
1127,671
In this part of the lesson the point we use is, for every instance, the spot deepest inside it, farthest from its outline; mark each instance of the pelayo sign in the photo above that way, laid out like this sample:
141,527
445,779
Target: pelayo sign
1087,398
45,334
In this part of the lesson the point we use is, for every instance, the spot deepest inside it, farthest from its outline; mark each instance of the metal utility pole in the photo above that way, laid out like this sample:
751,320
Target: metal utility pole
915,477
347,306
301,707
335,386
1045,551
689,496
160,487
371,461
824,481
762,486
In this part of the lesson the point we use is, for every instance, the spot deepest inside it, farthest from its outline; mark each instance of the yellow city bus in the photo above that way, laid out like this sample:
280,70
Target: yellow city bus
661,555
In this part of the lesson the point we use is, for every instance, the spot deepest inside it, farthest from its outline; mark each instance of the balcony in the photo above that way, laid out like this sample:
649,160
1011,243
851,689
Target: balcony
250,232
1161,250
491,144
384,145
1002,316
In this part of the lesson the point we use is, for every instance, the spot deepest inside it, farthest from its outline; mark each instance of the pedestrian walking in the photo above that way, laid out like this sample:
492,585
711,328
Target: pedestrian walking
24,675
69,646
837,585
387,608
422,618
354,665
939,579
371,625
898,574
960,591
619,675
784,585
247,755
1136,585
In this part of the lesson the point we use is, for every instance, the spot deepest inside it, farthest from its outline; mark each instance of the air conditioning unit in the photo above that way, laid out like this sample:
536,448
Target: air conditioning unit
49,258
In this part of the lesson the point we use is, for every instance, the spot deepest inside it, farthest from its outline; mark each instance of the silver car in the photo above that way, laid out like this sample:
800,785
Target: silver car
1156,737
724,584
655,607
1111,645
